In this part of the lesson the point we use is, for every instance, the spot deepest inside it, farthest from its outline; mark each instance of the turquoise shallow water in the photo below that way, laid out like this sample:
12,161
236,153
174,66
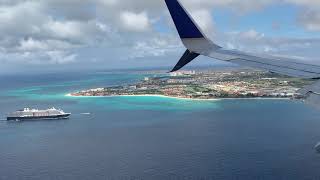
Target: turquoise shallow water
152,137
57,91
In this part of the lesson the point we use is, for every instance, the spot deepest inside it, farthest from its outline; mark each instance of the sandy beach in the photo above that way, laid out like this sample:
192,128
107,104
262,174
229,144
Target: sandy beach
181,98
148,95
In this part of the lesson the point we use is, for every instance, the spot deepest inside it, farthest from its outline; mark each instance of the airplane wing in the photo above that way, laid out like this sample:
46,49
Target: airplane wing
198,44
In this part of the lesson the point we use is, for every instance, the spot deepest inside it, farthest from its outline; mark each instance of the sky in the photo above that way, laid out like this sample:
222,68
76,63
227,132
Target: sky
54,35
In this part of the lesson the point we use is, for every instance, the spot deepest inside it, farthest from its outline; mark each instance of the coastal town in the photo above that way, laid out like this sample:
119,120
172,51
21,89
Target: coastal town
209,84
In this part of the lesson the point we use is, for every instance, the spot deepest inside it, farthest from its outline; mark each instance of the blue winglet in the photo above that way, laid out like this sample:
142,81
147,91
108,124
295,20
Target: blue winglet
185,59
183,21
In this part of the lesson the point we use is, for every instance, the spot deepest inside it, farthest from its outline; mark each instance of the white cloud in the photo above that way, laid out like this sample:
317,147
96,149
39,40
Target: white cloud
60,31
67,29
30,45
309,15
61,57
157,46
256,42
109,2
21,19
38,58
252,34
138,22
310,19
308,3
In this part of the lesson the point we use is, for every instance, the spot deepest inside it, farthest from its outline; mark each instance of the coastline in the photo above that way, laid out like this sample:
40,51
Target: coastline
191,87
181,98
145,95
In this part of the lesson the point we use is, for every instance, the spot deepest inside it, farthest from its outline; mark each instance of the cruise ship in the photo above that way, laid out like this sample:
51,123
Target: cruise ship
35,114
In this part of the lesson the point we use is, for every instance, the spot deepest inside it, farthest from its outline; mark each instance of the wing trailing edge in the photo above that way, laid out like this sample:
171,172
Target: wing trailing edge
311,94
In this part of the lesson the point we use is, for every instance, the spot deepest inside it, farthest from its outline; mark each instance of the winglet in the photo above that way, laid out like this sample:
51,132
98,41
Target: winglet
191,35
184,23
185,59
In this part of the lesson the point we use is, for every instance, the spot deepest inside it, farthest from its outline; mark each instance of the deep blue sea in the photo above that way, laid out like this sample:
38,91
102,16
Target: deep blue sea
151,138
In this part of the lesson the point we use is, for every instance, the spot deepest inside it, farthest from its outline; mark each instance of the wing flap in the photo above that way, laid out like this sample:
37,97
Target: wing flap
276,68
311,94
279,65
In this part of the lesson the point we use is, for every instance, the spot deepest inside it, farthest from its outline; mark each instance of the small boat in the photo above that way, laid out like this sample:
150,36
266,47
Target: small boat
85,113
35,114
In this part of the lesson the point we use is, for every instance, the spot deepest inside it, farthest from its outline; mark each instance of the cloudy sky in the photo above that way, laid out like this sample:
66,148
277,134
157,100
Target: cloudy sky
110,34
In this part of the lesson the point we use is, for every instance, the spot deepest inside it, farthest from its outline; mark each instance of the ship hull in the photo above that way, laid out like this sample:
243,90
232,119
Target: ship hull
29,118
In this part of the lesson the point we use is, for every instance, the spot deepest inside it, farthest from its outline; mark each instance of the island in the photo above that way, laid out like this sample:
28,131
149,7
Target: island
207,84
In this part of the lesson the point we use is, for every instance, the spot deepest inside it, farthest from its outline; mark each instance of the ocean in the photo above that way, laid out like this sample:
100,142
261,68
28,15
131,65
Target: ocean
151,138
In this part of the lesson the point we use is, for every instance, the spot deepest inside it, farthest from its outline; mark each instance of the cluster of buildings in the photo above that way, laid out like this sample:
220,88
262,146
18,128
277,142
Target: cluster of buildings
206,85
90,92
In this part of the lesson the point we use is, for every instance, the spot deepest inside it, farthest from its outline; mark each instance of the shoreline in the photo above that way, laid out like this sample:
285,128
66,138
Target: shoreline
181,98
145,95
